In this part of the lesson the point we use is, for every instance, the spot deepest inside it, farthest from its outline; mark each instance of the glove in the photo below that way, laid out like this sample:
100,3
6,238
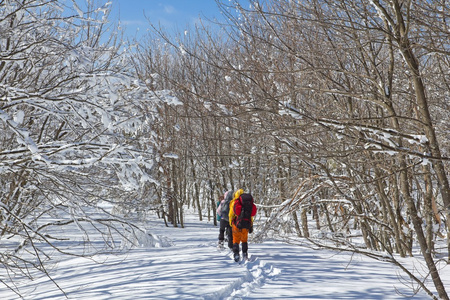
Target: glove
251,229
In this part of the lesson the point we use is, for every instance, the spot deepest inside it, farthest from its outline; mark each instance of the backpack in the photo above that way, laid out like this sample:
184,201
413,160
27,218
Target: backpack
225,209
218,216
244,220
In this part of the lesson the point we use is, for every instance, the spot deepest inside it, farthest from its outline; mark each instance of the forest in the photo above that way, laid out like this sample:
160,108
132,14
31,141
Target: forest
334,114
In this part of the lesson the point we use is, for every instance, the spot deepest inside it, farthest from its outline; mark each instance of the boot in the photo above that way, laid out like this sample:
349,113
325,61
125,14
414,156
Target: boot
245,250
220,245
236,252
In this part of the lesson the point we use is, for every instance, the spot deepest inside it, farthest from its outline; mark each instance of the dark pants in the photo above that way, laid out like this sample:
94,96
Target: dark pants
226,228
244,248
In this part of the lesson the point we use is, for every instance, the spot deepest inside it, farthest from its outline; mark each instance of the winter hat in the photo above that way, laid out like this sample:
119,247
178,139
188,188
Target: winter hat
238,193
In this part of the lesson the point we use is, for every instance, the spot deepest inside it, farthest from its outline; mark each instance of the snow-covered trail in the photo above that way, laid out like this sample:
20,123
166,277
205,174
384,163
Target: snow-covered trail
194,269
310,274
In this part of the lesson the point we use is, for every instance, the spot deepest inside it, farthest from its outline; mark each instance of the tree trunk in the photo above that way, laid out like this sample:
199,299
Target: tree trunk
424,113
305,223
391,213
296,224
417,223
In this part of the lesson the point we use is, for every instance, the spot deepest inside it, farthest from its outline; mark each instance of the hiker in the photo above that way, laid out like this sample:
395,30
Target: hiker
222,213
218,216
242,211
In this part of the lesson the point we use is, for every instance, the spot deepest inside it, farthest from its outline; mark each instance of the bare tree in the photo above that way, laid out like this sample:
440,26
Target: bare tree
71,113
325,107
350,64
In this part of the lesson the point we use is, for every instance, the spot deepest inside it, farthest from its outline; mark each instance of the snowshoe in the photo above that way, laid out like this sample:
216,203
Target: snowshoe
236,257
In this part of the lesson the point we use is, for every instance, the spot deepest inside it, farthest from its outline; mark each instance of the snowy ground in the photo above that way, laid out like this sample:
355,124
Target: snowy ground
192,268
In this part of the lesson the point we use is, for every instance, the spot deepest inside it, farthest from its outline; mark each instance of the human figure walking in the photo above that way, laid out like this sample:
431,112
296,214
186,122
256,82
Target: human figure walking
242,211
224,225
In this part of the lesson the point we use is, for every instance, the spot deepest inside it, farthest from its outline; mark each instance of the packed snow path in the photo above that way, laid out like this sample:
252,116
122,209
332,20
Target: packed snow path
193,268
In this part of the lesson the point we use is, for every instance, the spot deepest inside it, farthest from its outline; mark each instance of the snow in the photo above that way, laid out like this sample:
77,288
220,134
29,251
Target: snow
184,263
171,155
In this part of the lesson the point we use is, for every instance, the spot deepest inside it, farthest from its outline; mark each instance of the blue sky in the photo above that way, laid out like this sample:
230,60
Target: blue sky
170,14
